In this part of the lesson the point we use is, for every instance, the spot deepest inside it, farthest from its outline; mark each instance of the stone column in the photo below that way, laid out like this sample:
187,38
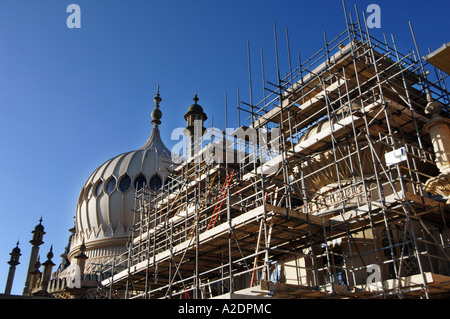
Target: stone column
439,129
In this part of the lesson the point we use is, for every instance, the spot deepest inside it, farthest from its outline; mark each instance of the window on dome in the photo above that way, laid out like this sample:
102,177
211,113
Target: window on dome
110,186
140,181
98,188
81,195
125,183
89,192
155,183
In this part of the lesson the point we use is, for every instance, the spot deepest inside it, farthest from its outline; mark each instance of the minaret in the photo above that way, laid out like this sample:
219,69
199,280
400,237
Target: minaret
46,271
195,118
38,234
81,261
13,262
35,277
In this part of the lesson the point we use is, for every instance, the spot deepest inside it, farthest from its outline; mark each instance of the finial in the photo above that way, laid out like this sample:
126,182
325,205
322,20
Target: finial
195,97
156,113
157,97
50,253
83,247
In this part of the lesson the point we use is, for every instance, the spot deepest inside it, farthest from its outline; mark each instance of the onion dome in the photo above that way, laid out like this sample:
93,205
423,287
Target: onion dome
15,254
38,234
104,212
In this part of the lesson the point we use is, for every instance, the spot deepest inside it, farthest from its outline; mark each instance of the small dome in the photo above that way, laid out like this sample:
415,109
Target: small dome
16,250
39,227
195,109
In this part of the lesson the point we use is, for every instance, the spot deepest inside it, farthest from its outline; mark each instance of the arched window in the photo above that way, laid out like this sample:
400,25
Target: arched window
110,186
139,182
125,183
98,188
89,192
155,183
81,198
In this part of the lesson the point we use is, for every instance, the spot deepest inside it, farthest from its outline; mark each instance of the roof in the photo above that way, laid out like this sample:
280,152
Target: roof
440,58
195,108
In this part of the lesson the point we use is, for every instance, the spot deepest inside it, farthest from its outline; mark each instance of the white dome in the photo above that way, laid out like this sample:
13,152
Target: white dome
104,212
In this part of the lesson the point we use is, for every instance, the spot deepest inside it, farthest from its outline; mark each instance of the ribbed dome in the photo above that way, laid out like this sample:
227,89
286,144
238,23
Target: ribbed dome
104,212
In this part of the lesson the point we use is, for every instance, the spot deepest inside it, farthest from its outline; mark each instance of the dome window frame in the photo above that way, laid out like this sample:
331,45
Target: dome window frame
155,179
98,189
140,181
82,196
121,185
108,189
89,191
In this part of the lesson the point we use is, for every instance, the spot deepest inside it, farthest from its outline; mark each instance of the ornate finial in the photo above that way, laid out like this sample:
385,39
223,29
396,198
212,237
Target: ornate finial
83,247
156,113
50,253
195,97
157,97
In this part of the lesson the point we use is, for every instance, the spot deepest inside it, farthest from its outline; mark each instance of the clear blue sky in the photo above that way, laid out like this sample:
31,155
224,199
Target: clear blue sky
70,99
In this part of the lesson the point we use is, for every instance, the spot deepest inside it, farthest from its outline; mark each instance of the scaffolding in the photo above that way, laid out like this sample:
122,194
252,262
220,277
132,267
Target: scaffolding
306,202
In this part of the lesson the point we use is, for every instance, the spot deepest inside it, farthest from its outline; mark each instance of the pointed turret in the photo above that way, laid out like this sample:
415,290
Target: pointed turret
36,241
195,118
46,272
13,262
155,142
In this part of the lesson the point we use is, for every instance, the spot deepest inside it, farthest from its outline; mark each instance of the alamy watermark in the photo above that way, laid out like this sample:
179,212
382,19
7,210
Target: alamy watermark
374,276
240,146
374,19
73,21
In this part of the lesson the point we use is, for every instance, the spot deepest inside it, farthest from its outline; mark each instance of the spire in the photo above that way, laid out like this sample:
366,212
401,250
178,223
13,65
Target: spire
156,113
46,272
154,141
195,98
